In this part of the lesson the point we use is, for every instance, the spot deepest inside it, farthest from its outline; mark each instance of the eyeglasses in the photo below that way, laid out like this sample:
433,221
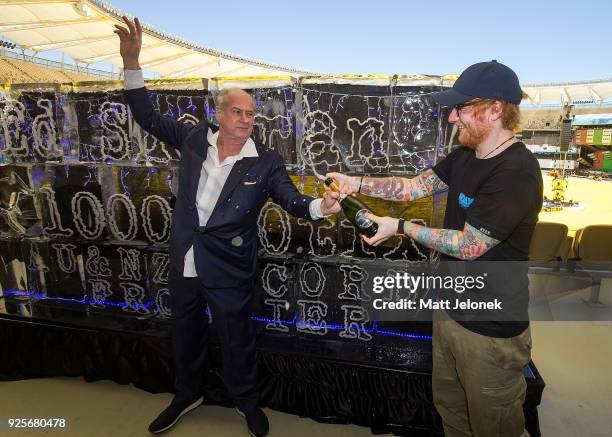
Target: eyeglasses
461,106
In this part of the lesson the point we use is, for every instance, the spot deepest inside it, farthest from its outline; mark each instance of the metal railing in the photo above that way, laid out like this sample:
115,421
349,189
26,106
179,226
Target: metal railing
109,75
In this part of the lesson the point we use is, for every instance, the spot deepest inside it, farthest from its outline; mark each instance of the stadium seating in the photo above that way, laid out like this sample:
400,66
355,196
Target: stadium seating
550,245
13,71
592,254
593,244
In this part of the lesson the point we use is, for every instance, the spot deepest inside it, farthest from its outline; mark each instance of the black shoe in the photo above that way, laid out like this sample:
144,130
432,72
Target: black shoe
168,418
257,422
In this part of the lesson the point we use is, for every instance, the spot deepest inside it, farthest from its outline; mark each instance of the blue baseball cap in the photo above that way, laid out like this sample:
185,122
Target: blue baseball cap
485,80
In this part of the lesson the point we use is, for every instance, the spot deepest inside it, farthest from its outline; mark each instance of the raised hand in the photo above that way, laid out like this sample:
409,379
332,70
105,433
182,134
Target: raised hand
130,42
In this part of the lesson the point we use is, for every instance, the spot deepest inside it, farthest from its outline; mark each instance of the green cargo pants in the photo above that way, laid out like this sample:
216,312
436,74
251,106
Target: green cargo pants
478,382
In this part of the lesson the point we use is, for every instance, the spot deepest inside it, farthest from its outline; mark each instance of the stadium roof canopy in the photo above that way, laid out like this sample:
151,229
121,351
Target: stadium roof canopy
593,92
84,30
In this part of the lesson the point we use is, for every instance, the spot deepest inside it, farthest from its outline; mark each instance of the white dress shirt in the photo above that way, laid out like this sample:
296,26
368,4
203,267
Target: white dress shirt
213,175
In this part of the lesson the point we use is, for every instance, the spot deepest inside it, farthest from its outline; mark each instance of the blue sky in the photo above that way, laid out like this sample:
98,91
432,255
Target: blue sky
543,41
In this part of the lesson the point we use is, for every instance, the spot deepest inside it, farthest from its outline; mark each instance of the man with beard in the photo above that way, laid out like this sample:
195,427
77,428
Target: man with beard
494,197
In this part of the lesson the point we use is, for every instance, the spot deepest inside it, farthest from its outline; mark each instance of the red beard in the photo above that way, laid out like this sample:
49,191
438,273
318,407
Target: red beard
474,134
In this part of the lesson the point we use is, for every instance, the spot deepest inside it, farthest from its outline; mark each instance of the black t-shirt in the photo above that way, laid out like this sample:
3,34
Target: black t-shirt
501,197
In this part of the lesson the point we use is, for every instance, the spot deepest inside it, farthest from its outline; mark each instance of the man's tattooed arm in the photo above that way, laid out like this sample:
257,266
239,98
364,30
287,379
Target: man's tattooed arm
403,189
467,244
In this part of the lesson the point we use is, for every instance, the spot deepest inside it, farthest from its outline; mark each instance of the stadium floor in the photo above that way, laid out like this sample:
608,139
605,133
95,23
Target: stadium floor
596,197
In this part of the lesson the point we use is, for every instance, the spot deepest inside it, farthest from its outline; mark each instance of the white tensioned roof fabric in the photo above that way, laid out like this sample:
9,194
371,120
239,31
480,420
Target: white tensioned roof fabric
595,92
84,31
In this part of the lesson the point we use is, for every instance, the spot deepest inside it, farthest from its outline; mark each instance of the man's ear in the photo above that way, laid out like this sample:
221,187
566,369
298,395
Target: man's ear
218,115
495,111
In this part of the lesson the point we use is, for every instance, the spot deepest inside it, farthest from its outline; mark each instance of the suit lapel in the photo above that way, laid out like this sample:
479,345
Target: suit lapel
236,174
196,171
197,158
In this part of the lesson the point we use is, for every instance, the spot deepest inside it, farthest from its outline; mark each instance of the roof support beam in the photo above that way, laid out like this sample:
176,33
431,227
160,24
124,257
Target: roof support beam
99,58
32,2
183,71
594,94
115,52
159,61
17,27
535,97
565,98
69,43
232,70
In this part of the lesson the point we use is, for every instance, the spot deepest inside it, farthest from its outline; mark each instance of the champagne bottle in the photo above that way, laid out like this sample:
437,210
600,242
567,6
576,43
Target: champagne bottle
355,211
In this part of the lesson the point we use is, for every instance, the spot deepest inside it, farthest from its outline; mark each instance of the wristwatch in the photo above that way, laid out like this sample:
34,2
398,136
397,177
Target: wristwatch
400,226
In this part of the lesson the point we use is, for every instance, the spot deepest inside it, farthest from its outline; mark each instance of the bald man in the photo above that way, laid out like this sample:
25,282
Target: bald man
225,179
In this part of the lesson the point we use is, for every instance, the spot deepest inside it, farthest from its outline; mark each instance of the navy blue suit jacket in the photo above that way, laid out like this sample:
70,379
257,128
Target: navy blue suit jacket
252,180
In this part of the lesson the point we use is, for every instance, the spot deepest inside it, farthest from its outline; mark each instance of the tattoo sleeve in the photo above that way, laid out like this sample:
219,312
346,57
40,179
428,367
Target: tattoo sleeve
403,189
467,244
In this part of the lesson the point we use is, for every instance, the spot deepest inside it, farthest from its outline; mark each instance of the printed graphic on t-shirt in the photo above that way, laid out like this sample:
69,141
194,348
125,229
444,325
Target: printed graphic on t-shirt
465,201
484,231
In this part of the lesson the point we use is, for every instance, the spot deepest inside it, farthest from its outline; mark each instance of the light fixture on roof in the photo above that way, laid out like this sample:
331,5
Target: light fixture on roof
82,9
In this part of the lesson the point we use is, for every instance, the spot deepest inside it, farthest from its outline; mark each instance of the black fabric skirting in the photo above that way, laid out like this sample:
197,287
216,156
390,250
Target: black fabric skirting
383,399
